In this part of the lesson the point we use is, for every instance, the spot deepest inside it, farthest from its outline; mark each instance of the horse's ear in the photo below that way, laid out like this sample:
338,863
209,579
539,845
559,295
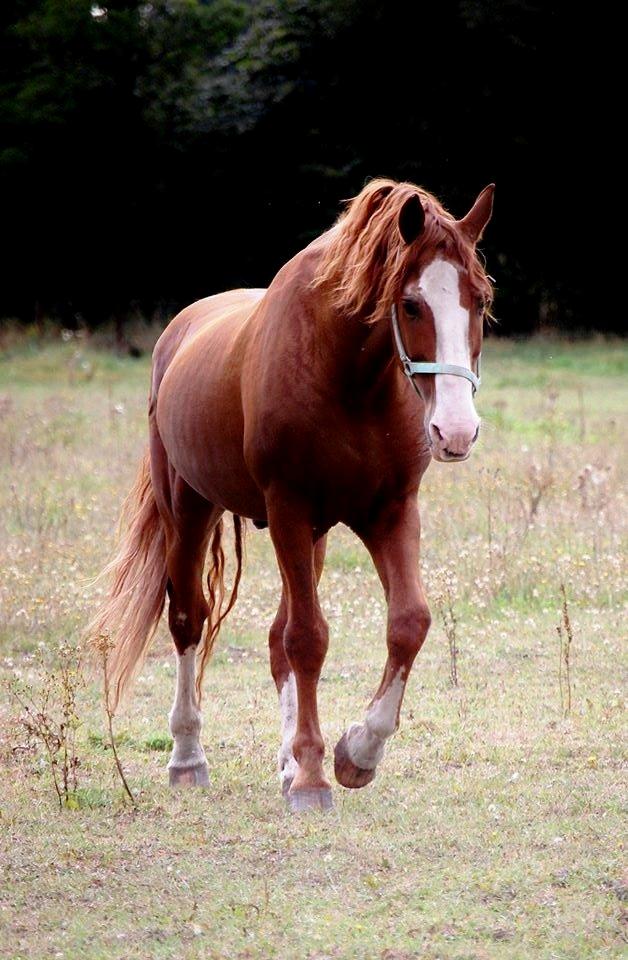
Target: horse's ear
479,215
411,219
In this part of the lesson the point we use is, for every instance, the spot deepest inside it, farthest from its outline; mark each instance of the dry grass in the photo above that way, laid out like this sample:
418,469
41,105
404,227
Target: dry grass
494,827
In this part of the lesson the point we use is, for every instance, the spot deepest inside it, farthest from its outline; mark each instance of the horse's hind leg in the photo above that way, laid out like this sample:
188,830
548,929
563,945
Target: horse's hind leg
193,521
285,681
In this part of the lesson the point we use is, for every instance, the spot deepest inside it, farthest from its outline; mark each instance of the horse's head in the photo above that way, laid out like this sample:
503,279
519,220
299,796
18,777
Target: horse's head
438,317
396,256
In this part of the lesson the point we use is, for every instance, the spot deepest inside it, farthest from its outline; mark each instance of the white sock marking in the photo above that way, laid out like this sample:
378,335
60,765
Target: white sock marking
366,741
185,717
288,705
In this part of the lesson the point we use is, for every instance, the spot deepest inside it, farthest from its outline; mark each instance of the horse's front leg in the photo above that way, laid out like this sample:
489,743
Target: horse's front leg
393,543
285,680
305,641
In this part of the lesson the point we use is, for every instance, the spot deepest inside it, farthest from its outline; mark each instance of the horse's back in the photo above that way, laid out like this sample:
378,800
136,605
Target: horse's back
196,319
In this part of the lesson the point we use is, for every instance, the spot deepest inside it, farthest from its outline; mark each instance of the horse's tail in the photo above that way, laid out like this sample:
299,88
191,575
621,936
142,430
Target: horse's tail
129,615
216,588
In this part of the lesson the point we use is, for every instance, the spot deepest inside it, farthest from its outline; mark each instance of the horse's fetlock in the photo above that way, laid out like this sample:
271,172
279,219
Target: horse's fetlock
310,746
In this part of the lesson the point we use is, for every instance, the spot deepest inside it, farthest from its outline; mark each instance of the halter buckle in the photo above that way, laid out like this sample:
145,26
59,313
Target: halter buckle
406,363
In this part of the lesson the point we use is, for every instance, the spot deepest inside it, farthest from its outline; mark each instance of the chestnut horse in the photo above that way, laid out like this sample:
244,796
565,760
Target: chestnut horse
318,401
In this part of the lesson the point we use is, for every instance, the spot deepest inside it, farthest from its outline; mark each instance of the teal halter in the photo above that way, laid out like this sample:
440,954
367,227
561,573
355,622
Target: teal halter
412,367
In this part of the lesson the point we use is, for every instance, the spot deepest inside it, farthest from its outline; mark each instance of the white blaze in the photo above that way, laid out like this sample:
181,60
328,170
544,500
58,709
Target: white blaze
439,285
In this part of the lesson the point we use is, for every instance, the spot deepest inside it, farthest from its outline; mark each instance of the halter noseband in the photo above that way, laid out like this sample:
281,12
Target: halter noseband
411,367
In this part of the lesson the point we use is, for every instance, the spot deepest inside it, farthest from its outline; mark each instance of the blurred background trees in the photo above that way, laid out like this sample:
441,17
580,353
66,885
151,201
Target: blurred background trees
153,153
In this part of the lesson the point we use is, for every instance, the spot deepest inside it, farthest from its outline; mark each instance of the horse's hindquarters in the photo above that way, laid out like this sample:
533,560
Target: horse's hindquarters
199,413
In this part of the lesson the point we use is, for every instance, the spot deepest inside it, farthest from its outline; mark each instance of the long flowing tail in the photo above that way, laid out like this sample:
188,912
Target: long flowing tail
130,613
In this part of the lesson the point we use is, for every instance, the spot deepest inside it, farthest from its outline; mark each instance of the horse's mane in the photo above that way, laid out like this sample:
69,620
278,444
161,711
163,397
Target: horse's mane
366,260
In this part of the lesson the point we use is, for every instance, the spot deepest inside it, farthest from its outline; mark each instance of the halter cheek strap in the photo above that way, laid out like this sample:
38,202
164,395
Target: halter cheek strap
412,367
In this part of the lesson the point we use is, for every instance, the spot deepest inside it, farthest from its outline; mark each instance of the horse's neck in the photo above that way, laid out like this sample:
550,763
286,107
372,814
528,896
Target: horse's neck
359,356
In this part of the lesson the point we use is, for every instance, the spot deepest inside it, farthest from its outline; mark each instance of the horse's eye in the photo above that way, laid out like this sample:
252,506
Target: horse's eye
412,308
481,304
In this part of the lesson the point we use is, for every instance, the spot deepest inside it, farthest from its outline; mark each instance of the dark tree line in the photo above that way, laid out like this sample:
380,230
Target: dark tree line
155,152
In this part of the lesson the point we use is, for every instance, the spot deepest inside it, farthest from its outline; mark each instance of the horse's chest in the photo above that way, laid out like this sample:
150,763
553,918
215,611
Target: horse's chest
341,461
348,474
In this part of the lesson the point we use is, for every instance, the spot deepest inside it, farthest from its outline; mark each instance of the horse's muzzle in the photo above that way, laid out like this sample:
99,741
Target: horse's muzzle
454,442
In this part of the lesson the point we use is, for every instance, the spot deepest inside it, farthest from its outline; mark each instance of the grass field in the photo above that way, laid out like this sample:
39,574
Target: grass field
494,827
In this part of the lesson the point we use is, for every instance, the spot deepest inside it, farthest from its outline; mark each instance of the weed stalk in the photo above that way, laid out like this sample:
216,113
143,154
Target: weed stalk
565,638
105,645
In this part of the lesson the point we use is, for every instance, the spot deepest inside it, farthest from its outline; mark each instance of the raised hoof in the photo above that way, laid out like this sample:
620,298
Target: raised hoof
314,798
197,776
347,774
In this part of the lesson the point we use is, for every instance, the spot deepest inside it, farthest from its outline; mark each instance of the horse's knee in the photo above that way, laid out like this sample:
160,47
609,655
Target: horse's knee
407,630
305,643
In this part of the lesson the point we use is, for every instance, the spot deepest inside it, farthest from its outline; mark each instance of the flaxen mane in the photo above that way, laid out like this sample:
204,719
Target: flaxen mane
366,261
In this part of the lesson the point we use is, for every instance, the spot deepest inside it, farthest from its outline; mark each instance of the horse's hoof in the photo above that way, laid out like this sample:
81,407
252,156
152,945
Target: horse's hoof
197,776
311,798
347,774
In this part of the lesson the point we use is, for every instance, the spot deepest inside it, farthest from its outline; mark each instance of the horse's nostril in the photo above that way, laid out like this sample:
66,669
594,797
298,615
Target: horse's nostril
476,434
437,431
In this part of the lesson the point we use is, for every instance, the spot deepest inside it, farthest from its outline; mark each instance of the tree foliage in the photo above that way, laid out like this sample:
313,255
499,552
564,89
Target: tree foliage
156,152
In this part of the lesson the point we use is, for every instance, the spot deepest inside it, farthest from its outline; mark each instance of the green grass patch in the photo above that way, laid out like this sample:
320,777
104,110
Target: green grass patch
495,826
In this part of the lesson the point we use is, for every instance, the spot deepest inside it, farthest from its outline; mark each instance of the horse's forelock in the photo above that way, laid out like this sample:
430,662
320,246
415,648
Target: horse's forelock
367,261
